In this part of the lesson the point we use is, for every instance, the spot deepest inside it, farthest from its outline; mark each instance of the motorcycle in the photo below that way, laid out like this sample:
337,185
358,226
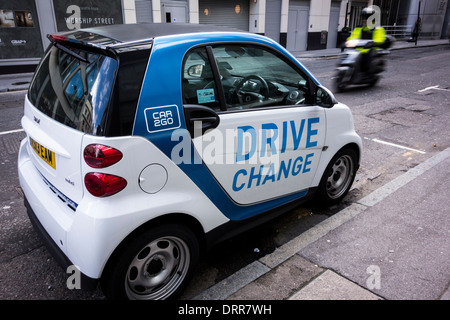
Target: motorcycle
350,69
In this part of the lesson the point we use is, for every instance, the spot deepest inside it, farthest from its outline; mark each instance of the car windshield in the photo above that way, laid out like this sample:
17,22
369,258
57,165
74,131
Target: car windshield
74,91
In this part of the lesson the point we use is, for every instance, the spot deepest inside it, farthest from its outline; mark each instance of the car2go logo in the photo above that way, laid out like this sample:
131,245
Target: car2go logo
162,118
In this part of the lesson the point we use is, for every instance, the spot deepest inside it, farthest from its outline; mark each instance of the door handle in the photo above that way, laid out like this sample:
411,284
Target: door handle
200,115
204,119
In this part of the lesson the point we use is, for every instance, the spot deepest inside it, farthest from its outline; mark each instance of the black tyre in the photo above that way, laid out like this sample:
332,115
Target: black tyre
338,177
339,84
156,265
374,81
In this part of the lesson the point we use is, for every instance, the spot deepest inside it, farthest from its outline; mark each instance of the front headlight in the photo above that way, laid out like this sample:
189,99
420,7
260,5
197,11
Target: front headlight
351,43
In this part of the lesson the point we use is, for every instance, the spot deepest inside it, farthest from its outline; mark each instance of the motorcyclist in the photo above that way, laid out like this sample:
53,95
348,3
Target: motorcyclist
373,32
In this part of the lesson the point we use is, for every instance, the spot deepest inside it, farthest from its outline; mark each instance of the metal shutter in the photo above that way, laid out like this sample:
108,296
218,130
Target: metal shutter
273,19
143,11
223,13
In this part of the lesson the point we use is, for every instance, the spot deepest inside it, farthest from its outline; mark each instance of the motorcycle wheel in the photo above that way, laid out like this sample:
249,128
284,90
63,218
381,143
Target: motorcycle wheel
374,81
339,84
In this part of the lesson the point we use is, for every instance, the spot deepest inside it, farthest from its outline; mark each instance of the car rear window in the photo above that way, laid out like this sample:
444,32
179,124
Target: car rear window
73,92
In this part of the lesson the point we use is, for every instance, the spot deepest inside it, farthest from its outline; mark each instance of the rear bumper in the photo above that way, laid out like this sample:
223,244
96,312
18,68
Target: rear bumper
51,219
87,283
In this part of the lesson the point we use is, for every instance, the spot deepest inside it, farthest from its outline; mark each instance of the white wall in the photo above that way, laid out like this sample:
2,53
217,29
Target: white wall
129,11
257,16
319,15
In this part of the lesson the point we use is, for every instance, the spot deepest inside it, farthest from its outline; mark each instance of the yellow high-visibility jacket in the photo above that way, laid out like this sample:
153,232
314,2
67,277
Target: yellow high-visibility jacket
378,36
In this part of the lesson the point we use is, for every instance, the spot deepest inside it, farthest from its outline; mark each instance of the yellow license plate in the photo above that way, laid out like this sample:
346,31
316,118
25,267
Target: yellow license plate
45,154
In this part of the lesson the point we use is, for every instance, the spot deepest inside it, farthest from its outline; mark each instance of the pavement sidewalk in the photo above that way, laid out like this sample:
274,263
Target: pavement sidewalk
15,82
375,249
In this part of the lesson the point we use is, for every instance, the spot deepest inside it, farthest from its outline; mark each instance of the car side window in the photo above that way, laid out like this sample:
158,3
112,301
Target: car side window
254,77
198,85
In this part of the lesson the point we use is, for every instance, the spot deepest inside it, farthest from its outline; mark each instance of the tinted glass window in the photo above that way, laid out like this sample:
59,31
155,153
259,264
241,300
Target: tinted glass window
127,90
198,80
255,77
74,92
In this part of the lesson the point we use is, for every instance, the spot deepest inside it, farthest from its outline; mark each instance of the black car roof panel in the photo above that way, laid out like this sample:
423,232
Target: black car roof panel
140,31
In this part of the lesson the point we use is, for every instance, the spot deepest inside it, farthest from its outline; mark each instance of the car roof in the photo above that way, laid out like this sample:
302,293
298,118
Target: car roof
142,31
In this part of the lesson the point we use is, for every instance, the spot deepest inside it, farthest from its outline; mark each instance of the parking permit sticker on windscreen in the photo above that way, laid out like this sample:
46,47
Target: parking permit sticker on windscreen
162,118
205,95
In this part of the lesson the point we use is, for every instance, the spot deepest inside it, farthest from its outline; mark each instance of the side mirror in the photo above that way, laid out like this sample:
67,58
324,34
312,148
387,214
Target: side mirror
325,97
195,70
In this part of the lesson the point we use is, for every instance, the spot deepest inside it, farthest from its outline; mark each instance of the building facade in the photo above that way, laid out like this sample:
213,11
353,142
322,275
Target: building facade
298,25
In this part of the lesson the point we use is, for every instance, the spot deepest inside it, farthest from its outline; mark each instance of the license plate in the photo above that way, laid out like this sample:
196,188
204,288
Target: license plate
45,154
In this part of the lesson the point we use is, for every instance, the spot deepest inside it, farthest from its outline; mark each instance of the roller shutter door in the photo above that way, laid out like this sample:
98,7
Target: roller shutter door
144,11
273,19
229,13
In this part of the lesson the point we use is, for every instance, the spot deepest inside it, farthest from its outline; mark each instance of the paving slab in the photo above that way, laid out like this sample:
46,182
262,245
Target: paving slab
280,283
331,286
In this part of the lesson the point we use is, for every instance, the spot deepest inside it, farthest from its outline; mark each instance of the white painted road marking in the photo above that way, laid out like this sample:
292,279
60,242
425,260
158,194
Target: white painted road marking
433,88
10,131
394,145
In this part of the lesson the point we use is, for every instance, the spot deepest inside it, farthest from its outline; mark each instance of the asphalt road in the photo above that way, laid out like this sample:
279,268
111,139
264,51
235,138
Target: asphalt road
403,121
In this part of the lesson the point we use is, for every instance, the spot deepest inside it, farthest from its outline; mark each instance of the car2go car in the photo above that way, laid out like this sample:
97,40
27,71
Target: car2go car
147,144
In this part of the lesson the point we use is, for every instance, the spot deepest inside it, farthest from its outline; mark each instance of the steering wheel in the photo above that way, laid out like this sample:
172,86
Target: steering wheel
240,85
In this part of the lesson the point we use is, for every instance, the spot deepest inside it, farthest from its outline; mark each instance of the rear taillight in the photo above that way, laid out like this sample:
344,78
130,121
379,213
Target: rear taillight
100,156
57,37
103,185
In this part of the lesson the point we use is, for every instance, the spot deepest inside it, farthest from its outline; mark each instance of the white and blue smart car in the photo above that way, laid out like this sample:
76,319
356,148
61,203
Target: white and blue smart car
146,144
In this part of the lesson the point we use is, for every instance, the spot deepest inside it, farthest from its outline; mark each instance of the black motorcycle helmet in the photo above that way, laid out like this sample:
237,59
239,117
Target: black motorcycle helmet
367,12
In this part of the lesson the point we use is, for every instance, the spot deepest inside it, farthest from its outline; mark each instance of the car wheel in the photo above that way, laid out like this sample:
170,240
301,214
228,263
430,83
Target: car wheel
338,177
156,265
